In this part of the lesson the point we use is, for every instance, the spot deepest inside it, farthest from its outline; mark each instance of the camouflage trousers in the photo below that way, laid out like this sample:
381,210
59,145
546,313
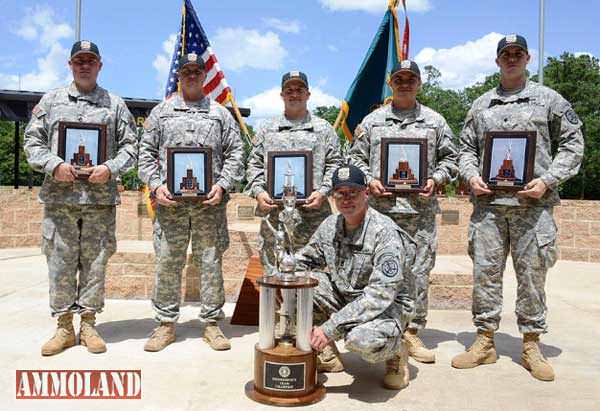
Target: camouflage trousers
529,233
422,228
311,220
207,227
375,341
77,238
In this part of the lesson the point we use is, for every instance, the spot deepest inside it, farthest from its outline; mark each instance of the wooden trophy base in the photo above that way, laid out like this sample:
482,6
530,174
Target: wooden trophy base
285,376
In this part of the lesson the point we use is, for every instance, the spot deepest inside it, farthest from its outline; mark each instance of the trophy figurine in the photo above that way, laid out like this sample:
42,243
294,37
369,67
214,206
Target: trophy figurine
82,162
189,183
506,172
285,366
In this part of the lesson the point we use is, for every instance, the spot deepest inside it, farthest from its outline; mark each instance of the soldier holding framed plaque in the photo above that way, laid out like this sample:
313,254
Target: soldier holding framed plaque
191,149
82,137
312,138
406,150
514,188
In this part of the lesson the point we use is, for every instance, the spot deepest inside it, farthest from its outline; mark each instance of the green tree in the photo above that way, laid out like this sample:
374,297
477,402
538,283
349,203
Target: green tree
578,80
7,157
330,113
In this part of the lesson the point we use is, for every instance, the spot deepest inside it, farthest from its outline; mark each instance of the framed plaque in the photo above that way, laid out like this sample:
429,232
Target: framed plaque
295,166
404,164
83,145
189,172
508,159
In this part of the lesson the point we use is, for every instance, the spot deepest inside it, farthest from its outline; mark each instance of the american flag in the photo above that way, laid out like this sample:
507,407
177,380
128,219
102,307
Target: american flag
192,39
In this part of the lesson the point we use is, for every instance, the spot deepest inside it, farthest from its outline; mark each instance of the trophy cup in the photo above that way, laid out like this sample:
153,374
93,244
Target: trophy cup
285,366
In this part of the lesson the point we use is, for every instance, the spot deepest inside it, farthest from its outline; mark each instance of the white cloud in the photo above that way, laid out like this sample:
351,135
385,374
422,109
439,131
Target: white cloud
40,25
374,6
583,53
287,26
464,64
332,48
162,63
269,103
239,48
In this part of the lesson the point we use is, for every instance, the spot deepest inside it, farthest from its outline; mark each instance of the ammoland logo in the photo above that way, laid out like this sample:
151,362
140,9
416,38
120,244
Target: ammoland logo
79,384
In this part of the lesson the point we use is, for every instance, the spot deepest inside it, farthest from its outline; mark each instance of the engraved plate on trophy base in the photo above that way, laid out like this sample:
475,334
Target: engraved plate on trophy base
284,377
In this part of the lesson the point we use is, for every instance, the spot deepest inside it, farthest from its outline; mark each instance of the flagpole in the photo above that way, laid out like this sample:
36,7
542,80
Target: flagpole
239,116
77,20
541,41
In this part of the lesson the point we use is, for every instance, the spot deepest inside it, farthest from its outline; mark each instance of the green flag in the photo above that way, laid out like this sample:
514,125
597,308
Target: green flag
369,88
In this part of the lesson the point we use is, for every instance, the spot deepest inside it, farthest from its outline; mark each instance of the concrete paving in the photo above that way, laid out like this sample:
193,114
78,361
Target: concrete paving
188,375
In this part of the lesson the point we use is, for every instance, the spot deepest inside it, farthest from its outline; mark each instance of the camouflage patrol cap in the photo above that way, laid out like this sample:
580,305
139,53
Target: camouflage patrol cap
191,58
511,40
294,75
348,176
406,66
85,46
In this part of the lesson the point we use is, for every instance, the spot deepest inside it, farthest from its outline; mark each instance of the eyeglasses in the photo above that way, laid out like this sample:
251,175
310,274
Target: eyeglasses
288,91
188,73
346,195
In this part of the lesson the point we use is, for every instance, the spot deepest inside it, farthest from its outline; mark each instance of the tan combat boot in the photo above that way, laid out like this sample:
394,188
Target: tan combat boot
215,337
88,336
397,374
533,360
64,337
483,351
416,348
329,359
162,336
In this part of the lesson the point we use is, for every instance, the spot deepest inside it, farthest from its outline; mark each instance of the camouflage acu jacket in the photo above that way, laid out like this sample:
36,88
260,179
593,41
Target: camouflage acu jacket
41,142
368,267
535,108
174,123
421,122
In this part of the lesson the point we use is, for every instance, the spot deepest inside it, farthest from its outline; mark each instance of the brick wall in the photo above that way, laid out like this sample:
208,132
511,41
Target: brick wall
21,215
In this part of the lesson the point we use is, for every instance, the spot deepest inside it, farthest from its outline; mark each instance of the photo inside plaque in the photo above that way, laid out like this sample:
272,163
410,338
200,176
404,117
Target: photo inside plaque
189,174
82,149
508,161
403,164
292,168
509,158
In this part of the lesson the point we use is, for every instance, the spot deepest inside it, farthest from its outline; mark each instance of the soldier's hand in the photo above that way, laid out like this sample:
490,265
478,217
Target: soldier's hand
429,188
64,173
536,188
377,189
100,175
215,195
478,187
265,202
164,197
314,201
318,339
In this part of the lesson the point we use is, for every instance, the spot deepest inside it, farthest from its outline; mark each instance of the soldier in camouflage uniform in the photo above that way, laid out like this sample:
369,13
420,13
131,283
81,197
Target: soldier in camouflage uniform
296,129
360,259
520,222
415,213
190,119
78,230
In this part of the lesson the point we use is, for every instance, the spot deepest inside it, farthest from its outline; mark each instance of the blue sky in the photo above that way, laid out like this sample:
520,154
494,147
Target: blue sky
256,41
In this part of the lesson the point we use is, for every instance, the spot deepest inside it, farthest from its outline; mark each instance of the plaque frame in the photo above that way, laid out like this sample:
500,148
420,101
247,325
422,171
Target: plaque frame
173,153
419,185
526,154
307,158
100,135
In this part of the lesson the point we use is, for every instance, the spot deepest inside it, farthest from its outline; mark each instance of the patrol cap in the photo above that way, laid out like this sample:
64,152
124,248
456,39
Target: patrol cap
511,40
406,66
191,58
294,75
348,176
85,46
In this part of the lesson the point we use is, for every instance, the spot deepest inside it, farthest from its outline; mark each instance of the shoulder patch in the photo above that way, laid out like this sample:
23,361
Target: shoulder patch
390,266
359,132
572,116
38,111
